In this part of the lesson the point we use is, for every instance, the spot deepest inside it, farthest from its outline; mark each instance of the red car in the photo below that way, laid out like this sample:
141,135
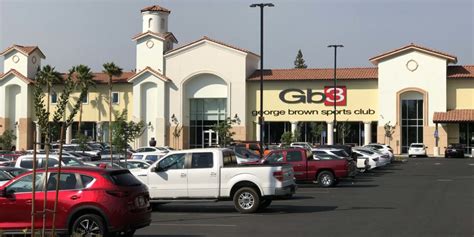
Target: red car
92,201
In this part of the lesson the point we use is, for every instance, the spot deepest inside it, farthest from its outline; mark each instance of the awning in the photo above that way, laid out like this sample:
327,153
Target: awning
454,116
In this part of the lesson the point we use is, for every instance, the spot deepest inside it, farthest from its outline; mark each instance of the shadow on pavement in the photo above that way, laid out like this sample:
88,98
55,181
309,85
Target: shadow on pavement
169,235
273,209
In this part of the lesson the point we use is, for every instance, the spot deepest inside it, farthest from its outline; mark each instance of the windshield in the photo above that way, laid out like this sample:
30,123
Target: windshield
340,153
123,178
367,152
69,161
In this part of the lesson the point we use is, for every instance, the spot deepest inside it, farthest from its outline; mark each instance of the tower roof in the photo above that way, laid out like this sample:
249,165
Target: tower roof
26,50
155,8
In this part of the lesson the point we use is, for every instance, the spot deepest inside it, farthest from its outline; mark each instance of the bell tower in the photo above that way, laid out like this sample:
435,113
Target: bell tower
155,40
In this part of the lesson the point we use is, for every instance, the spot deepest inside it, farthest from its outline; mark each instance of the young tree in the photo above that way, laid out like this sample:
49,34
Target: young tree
287,138
316,131
299,61
46,77
344,131
6,139
389,131
125,132
223,130
111,70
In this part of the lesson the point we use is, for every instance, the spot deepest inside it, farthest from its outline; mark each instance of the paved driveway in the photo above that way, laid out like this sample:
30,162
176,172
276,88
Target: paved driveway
420,197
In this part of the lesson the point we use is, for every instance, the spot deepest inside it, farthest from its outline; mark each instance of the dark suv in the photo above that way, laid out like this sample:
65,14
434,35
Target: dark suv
92,202
454,150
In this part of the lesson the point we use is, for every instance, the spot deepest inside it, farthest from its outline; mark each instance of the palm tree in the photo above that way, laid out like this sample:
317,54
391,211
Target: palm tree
111,70
85,80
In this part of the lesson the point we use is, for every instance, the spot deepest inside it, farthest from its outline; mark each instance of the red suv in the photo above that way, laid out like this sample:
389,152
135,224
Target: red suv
92,201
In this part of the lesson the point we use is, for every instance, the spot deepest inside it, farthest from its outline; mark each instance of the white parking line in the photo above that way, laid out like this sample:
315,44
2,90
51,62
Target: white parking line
437,163
444,180
471,164
196,225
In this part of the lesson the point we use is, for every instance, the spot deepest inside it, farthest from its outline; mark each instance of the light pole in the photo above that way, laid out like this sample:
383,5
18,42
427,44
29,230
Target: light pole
334,132
260,118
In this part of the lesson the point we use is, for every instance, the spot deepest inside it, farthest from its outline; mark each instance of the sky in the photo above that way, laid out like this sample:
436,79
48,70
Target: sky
92,32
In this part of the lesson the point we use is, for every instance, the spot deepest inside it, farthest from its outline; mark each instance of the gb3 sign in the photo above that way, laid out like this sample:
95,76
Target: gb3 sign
298,96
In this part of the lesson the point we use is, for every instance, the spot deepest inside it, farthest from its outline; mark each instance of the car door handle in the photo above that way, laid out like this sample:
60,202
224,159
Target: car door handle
213,174
183,175
28,202
75,197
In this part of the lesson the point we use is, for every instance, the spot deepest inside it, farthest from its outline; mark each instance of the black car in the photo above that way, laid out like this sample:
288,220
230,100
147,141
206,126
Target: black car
454,151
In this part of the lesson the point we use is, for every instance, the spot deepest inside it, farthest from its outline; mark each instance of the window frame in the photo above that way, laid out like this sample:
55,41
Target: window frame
118,97
55,96
86,98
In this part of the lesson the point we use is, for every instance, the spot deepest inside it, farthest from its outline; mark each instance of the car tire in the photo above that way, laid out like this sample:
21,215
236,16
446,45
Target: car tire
89,224
264,203
129,233
246,200
325,179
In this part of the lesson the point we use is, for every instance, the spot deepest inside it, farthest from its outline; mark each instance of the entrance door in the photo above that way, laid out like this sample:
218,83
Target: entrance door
412,122
210,138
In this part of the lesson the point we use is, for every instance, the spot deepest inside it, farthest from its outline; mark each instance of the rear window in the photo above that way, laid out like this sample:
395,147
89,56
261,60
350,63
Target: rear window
417,145
27,163
229,159
123,178
137,157
294,156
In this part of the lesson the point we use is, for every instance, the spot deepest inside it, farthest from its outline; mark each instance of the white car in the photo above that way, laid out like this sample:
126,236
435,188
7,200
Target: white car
149,157
385,149
417,149
332,151
152,149
304,145
374,159
26,161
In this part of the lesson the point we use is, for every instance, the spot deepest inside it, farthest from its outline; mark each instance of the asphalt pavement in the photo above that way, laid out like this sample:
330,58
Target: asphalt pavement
416,197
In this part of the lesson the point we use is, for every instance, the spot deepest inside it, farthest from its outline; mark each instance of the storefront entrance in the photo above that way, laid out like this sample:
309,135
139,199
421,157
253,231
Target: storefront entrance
466,136
204,115
412,122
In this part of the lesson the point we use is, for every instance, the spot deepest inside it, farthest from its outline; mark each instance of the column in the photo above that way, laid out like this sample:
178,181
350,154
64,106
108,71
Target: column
68,135
17,133
257,132
330,130
367,132
98,135
294,126
38,136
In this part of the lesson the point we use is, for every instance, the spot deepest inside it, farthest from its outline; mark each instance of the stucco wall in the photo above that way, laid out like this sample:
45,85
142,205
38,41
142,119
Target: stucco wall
150,57
460,94
394,76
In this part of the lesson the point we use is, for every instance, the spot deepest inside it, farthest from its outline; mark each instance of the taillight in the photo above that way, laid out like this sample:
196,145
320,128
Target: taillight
117,193
278,175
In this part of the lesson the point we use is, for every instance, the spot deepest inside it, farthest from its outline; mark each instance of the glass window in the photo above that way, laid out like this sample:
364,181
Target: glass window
294,156
152,158
229,159
123,178
174,161
115,97
202,160
275,157
85,100
4,176
27,163
87,181
69,161
137,157
24,184
54,98
67,181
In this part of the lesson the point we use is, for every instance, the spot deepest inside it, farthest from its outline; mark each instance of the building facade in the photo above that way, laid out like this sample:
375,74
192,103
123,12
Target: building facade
181,93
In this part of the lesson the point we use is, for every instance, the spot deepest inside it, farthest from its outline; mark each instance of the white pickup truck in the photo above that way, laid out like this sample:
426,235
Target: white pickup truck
213,174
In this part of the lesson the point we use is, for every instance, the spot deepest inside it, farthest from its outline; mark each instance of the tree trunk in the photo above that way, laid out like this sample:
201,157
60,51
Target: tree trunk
79,121
58,179
45,183
33,191
110,122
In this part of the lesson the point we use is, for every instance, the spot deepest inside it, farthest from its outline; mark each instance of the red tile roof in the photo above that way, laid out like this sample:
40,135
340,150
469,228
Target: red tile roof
155,8
103,78
466,71
18,74
205,38
449,57
315,74
26,50
156,34
454,116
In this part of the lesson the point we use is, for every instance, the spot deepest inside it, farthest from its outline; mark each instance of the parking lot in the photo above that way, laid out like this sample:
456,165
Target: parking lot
414,197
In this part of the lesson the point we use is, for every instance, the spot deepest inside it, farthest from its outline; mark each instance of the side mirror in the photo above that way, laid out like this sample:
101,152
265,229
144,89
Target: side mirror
157,169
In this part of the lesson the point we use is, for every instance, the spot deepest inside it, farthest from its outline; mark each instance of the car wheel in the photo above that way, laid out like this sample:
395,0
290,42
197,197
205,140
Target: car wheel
246,200
264,203
127,233
89,225
326,179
